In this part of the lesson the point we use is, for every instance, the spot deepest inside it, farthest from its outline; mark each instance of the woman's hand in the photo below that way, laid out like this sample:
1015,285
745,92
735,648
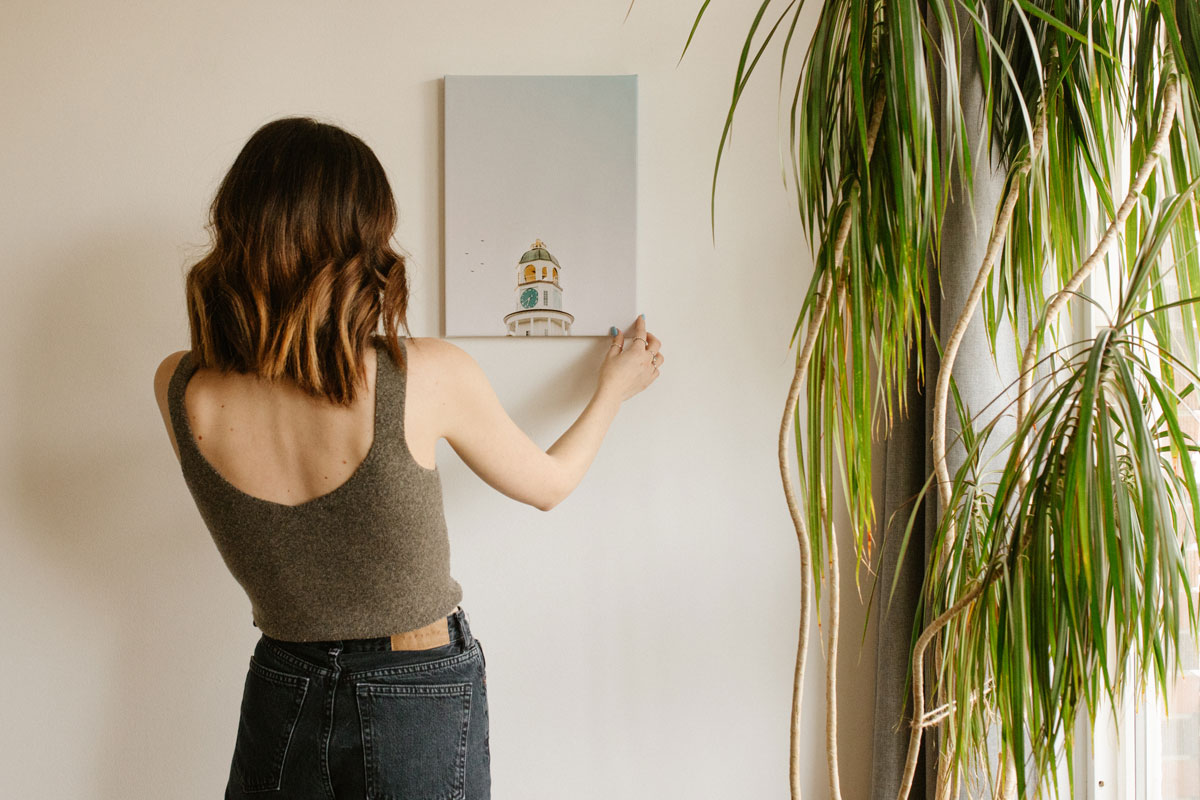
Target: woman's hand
627,370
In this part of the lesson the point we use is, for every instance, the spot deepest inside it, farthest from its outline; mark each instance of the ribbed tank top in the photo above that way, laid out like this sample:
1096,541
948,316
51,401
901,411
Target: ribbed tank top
369,558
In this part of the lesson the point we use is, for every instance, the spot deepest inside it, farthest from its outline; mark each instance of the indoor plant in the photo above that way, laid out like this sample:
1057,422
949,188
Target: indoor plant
1048,568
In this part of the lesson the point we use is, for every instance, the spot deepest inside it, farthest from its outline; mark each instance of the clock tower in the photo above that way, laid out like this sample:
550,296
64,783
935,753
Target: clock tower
539,296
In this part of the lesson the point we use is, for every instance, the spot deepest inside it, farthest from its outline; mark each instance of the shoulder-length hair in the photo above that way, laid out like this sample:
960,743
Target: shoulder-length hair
301,268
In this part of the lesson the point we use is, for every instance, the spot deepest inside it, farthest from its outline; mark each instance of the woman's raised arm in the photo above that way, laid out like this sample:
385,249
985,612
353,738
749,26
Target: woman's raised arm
499,452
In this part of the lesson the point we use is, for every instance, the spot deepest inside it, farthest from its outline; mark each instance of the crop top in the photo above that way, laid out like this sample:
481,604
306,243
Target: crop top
369,558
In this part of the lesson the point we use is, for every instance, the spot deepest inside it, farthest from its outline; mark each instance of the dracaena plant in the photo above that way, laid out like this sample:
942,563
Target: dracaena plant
1060,562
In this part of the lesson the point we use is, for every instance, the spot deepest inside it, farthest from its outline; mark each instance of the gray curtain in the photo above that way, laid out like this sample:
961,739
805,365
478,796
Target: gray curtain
908,460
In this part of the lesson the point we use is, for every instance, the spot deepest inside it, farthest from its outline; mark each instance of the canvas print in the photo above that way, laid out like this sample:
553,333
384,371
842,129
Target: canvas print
540,204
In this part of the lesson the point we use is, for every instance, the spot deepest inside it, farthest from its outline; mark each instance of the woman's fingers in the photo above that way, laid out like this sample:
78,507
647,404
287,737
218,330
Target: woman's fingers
619,338
653,343
638,328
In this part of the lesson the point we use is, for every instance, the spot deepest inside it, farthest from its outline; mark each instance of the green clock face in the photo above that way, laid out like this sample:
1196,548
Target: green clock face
529,298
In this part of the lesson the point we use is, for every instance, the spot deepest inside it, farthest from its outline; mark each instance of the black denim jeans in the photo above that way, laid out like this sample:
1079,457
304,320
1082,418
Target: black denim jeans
352,719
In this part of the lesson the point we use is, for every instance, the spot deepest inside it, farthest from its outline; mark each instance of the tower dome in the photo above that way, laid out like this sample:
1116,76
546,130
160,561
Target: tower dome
538,252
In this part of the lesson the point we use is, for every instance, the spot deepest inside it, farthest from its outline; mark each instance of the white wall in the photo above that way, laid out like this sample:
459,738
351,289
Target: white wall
641,637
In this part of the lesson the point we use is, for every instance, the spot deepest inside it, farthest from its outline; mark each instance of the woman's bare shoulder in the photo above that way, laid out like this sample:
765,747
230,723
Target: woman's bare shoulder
162,376
440,352
162,382
441,369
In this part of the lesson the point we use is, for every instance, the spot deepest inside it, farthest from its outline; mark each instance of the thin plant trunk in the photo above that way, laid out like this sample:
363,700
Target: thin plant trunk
802,362
999,233
835,786
1059,301
945,371
816,318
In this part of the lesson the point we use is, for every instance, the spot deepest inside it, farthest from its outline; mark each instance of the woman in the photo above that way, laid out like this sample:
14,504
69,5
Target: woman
307,441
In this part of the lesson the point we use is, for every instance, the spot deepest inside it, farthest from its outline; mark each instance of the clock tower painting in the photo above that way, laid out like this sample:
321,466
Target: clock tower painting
538,296
540,207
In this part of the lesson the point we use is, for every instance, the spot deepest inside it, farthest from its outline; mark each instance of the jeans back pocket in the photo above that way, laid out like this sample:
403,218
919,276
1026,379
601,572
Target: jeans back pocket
415,739
271,703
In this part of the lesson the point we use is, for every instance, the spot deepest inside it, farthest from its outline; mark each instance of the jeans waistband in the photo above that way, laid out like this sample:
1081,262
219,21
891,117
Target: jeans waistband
457,625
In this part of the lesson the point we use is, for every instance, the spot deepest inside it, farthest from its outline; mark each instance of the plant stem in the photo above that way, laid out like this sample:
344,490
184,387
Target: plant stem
816,318
1007,789
802,361
1059,301
946,370
835,788
918,716
995,243
954,341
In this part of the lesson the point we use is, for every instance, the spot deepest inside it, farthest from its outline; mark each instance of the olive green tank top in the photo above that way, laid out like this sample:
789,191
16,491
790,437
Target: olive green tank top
369,558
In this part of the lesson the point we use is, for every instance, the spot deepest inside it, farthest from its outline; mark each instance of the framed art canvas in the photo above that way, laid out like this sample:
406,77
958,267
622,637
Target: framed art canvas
540,204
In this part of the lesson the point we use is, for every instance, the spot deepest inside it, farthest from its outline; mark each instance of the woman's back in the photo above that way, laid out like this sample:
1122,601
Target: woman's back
275,442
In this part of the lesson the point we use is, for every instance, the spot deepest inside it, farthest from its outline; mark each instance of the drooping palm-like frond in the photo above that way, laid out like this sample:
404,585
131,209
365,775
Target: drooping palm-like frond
863,48
863,52
869,169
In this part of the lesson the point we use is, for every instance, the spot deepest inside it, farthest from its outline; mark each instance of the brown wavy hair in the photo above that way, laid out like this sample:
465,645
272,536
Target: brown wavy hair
301,268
